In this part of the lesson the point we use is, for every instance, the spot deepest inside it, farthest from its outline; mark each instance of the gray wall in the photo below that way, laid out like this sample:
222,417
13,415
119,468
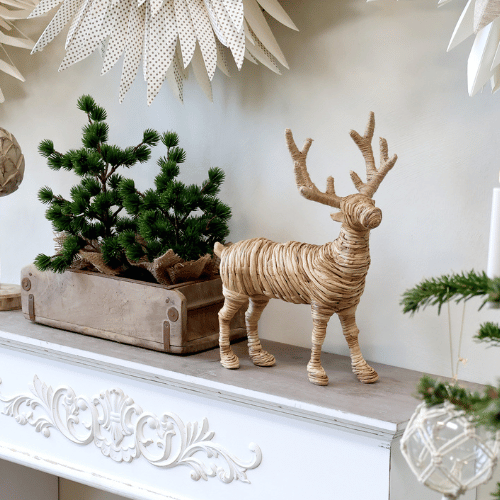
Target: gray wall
349,57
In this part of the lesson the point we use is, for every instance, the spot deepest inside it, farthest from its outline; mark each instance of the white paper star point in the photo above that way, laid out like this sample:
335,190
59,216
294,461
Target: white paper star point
169,36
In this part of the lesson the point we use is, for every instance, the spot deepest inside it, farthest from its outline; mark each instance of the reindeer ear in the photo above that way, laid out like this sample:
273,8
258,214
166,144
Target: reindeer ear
337,216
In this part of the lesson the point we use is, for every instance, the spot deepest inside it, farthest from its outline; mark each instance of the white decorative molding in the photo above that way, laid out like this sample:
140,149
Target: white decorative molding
123,432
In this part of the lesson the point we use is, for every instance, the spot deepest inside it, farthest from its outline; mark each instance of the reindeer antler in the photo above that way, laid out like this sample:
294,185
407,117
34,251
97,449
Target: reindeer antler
373,176
306,187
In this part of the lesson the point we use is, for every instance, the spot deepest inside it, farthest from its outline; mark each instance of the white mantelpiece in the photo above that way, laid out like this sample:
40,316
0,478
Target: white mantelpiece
98,411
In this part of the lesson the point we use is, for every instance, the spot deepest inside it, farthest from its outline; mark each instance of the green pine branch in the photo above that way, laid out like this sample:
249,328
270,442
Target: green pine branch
188,219
484,407
489,332
172,215
496,494
439,291
92,213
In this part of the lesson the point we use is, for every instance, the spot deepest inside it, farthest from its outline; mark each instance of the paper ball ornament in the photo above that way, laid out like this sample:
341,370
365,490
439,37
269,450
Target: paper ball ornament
447,452
11,163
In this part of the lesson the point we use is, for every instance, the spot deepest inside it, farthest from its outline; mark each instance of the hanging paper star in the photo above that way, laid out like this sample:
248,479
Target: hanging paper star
11,10
480,18
167,35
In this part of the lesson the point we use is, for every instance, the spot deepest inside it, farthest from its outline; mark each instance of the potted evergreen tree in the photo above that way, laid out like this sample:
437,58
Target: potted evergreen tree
130,266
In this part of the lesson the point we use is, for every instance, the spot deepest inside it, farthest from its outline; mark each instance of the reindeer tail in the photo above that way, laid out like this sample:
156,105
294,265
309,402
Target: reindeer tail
218,247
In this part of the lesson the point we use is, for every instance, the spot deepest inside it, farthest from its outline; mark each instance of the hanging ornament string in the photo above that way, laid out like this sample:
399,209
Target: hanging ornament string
459,357
168,35
454,369
451,341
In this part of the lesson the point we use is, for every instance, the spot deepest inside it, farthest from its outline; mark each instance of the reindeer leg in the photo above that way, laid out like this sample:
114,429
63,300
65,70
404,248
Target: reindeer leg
232,304
252,316
321,316
360,367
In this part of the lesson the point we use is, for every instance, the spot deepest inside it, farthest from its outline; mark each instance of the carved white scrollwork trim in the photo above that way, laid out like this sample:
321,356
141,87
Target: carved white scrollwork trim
123,432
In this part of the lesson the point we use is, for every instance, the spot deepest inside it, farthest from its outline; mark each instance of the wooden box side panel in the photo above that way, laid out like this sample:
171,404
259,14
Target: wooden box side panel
205,321
99,304
204,300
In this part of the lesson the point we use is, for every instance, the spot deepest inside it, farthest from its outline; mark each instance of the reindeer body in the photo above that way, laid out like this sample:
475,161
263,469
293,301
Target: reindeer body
285,270
329,277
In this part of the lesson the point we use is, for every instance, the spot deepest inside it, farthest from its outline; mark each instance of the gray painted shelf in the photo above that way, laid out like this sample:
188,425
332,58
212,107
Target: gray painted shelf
380,410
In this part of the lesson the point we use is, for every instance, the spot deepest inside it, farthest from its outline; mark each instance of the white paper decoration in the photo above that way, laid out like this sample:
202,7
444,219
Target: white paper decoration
482,19
447,452
167,35
11,10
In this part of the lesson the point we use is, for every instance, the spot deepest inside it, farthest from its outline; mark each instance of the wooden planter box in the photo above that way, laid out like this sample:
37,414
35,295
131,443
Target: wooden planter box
178,319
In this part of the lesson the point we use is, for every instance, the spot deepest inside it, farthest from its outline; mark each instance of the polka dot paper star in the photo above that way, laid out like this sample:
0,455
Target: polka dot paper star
168,36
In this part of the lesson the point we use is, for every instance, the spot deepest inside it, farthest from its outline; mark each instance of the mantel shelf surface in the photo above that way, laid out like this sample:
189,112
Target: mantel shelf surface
381,409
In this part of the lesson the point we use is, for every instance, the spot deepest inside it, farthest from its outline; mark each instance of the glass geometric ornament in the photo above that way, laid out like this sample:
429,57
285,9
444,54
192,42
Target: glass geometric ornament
447,452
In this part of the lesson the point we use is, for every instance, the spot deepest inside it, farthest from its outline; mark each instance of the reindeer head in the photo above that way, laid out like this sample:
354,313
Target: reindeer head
358,210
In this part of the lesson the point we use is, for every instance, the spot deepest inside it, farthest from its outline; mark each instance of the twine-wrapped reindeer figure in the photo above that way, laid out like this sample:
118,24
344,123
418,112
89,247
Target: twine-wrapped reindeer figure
330,277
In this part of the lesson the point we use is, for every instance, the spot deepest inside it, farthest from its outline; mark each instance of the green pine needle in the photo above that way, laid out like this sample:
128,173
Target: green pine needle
55,161
151,137
176,154
42,262
142,154
106,211
98,114
94,134
496,494
45,195
489,332
46,148
86,103
434,392
170,139
483,408
438,291
112,154
216,176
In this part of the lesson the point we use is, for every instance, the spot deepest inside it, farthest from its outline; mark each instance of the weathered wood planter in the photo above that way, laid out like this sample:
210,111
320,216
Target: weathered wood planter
178,319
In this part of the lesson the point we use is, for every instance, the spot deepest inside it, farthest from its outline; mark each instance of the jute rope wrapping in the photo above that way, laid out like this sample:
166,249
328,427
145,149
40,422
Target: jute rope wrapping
330,277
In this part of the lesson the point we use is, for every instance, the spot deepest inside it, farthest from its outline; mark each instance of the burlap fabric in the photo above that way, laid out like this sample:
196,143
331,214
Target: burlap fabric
168,269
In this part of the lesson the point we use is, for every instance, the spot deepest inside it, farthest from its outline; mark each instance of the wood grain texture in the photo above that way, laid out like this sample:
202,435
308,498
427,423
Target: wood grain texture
379,410
10,297
180,319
